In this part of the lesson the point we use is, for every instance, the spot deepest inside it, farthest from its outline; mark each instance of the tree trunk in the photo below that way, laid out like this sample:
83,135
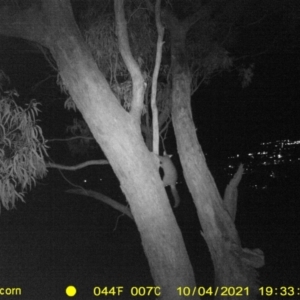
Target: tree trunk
118,134
218,228
120,139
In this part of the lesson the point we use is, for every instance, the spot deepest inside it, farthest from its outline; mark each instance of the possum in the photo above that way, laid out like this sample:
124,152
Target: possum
170,176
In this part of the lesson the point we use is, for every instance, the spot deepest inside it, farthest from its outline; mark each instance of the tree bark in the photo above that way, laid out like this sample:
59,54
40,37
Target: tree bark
231,270
118,134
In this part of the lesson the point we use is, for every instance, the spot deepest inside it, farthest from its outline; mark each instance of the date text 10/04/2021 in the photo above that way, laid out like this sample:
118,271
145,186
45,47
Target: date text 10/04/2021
200,291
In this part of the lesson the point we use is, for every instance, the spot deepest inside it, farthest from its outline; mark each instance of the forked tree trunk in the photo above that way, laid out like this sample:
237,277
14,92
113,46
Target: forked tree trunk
218,228
118,135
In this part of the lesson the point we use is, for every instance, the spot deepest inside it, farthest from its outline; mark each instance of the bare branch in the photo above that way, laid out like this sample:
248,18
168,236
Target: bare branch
79,166
71,138
138,84
160,31
105,199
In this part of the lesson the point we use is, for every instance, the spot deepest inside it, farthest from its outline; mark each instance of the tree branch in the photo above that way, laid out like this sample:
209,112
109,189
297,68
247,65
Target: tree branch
138,84
70,139
79,166
155,125
20,23
35,22
105,199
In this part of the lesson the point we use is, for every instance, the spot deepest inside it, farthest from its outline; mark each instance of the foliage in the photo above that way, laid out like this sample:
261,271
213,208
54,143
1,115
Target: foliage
22,149
208,57
246,75
98,28
99,33
69,103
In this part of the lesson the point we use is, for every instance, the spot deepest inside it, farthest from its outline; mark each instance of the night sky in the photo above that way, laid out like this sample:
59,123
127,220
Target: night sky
226,115
229,119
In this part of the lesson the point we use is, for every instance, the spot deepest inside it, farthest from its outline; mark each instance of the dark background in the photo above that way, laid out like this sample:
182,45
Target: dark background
56,239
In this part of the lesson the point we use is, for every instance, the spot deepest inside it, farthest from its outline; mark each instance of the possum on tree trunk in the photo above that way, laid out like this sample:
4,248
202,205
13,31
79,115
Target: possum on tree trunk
170,176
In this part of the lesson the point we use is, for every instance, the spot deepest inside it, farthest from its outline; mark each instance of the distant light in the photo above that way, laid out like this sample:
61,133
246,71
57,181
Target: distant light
262,153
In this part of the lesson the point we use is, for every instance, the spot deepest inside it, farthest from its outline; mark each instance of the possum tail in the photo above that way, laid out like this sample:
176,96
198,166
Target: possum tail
175,195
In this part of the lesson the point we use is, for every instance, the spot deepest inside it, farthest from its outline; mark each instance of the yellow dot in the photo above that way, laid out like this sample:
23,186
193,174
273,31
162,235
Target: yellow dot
71,291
